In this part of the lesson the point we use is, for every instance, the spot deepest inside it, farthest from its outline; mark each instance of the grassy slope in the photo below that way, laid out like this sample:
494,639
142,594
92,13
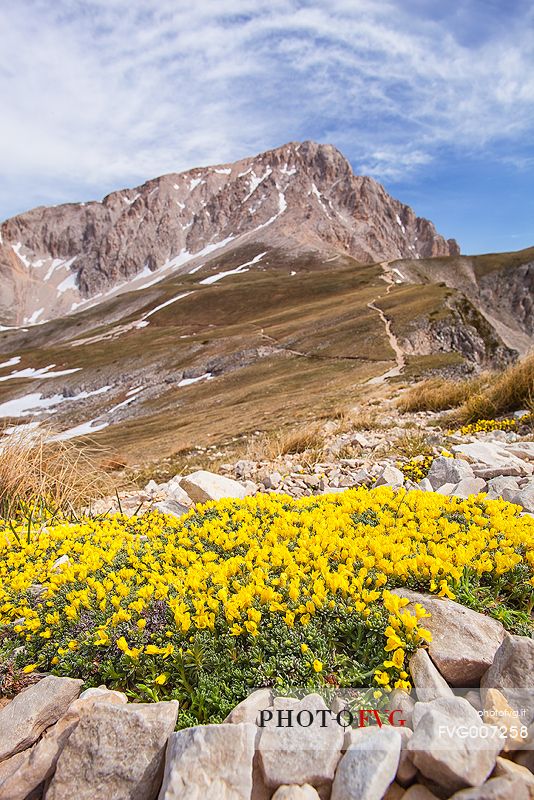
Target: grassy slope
328,342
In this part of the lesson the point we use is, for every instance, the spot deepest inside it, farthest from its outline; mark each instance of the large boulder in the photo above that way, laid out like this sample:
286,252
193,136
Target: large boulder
116,752
210,762
369,765
427,680
24,772
490,459
464,642
32,711
202,486
448,470
451,746
512,672
302,753
506,768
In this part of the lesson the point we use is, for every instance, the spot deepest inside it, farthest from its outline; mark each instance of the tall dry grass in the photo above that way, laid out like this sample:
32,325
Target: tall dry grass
39,476
484,397
439,394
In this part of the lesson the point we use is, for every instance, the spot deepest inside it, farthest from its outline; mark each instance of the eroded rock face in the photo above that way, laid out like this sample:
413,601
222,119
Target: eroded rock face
305,192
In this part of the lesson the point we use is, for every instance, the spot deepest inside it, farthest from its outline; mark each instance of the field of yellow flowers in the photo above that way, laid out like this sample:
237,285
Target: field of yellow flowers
262,591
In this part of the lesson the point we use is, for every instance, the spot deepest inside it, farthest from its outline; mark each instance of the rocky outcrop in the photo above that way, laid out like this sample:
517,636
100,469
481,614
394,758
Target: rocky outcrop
304,194
463,329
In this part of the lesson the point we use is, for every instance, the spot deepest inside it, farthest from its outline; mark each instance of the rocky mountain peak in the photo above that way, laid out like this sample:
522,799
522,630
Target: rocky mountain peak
302,195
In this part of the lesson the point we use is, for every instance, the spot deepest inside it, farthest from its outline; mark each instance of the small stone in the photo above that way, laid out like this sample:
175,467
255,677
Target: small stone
305,792
418,792
425,485
390,476
492,459
448,470
212,762
506,788
394,792
202,486
298,755
406,770
520,497
249,708
446,489
369,765
359,438
496,486
404,703
497,711
171,507
58,563
464,642
443,754
174,491
429,683
102,693
33,710
272,480
118,749
469,486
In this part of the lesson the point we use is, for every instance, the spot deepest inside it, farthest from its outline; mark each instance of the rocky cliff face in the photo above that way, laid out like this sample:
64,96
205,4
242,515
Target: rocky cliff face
302,195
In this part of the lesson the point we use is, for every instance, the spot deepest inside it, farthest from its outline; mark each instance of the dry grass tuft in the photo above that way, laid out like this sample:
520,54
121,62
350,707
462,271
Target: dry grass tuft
483,397
412,443
39,476
509,391
307,439
438,394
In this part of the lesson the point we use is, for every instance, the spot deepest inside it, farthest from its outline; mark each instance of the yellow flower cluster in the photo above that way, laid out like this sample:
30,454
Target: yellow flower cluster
486,425
139,588
416,468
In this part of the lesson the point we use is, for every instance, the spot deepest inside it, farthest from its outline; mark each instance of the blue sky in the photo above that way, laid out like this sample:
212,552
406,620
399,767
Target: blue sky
435,99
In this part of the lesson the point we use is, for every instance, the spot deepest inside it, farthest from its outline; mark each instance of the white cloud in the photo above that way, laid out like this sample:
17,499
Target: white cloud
103,93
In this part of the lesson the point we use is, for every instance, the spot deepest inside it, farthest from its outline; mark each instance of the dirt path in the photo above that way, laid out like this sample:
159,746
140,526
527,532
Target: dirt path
399,355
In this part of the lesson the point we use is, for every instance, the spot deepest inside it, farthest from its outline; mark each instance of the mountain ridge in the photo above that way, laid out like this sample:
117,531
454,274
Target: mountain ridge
55,259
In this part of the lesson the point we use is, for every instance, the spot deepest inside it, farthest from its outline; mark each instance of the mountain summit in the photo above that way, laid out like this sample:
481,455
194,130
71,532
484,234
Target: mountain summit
301,196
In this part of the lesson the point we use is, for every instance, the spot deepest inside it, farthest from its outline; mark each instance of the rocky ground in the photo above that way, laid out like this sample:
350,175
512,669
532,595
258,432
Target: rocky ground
474,743
498,462
466,731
